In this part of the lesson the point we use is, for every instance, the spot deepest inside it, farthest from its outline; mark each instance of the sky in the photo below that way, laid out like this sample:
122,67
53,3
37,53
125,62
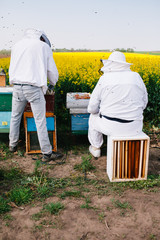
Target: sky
84,24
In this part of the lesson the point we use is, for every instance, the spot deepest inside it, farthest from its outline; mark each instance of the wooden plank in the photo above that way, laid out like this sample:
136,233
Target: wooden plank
141,159
118,159
129,158
123,159
132,158
144,158
126,159
114,158
137,156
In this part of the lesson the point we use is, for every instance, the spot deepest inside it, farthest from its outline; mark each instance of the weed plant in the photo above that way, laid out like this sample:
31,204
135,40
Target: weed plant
53,208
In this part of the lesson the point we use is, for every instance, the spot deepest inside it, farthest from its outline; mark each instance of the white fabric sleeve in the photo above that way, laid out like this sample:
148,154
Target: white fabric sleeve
145,94
52,72
94,102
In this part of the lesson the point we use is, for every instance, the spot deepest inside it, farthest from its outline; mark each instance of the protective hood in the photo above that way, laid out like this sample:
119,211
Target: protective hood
116,62
34,33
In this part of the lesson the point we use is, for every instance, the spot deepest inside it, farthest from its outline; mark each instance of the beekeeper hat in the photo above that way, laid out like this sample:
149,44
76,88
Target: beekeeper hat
45,39
117,57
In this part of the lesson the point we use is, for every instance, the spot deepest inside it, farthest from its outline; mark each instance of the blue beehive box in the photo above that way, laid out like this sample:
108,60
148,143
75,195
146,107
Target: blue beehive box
5,118
31,126
79,123
77,104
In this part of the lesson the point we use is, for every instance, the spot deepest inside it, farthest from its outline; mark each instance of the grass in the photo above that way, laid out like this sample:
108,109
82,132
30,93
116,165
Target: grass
21,188
4,207
21,195
4,152
54,208
87,204
85,166
122,205
72,193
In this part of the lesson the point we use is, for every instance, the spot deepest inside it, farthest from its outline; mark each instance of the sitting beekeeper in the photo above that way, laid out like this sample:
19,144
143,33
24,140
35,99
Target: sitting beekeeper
31,64
117,102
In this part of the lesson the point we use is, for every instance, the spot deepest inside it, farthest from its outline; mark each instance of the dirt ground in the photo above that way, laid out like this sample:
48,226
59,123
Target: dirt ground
104,221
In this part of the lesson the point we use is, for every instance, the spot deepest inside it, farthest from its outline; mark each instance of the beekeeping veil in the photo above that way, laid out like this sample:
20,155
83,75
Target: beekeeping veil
116,62
35,33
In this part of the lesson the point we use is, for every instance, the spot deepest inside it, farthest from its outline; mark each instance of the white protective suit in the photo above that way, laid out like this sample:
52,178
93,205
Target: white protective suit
31,63
119,93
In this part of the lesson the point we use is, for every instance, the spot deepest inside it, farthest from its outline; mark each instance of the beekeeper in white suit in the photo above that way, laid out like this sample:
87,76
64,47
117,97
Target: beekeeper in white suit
31,63
117,102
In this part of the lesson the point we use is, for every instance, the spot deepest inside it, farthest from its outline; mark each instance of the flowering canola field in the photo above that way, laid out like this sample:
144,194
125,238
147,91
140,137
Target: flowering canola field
78,72
82,67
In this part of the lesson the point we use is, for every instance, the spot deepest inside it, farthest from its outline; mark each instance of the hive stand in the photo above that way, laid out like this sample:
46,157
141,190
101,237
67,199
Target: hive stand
127,158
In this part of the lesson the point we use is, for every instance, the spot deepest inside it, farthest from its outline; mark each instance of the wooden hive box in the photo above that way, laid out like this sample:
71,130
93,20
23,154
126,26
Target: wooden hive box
127,158
5,108
2,79
77,103
5,118
6,99
32,144
50,101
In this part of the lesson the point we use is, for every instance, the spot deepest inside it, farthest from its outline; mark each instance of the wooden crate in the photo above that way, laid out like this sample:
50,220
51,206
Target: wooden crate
5,118
127,158
32,144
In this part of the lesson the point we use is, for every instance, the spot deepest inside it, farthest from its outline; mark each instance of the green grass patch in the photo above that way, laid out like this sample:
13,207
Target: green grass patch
4,207
21,195
54,208
87,204
123,205
72,193
4,152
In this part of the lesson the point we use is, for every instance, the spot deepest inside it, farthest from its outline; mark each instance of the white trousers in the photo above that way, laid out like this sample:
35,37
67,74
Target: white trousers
99,126
21,95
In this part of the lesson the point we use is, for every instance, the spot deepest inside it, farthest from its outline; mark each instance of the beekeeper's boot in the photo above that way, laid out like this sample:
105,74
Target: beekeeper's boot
51,157
12,149
96,152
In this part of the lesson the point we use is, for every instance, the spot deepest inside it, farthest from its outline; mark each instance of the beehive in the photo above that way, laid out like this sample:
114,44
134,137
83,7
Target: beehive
77,103
50,101
5,108
127,158
2,79
32,144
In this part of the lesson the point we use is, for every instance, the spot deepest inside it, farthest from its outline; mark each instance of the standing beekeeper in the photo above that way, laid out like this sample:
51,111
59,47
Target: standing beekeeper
117,102
31,64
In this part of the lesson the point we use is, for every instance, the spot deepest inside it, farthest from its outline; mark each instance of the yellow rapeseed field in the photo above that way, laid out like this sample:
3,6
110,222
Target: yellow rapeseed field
78,72
82,67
